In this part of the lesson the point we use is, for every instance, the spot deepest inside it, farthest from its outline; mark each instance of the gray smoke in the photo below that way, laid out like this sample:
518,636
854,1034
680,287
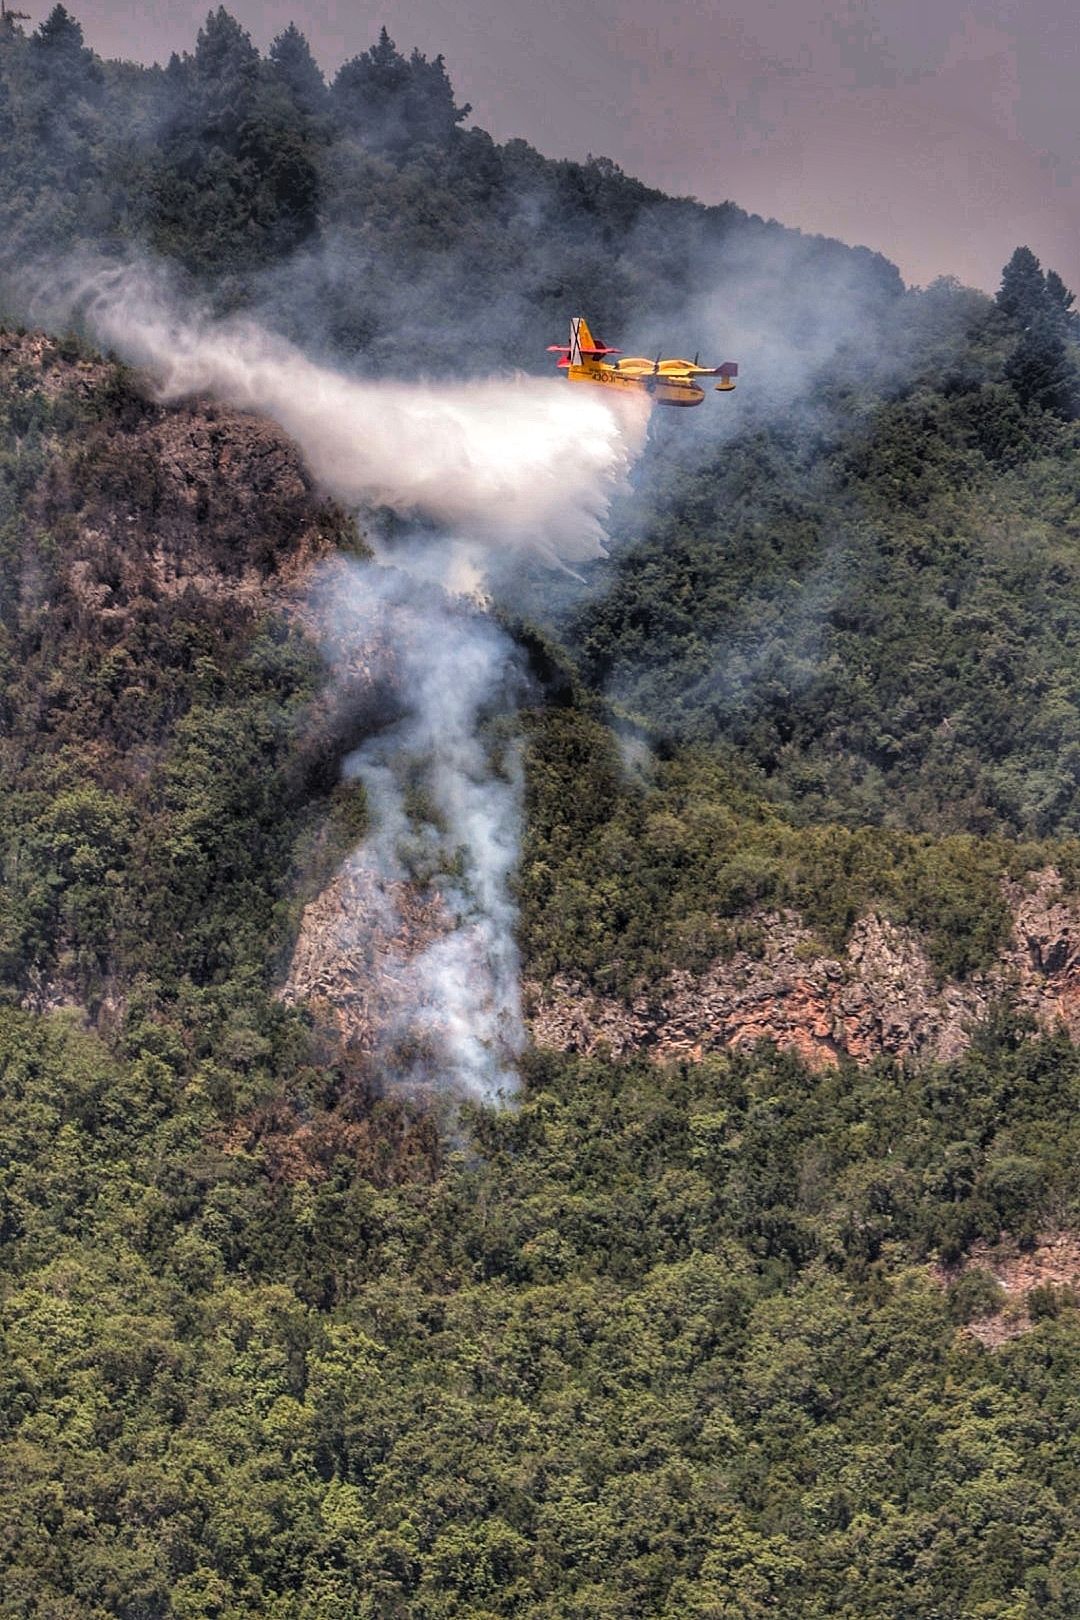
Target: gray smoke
445,802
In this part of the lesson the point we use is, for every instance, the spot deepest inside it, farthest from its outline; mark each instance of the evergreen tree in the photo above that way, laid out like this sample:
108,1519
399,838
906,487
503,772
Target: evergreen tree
296,70
238,182
224,76
1062,300
369,87
60,34
392,102
1041,368
434,113
1022,293
69,68
1058,293
178,74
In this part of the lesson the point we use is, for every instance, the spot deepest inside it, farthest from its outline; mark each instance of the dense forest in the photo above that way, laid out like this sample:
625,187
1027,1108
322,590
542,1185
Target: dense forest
692,1339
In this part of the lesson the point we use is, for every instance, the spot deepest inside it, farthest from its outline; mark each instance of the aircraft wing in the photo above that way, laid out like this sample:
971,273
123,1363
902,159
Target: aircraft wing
683,368
690,368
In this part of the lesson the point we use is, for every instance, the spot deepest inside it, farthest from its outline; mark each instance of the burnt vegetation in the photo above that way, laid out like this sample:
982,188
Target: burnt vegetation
671,1343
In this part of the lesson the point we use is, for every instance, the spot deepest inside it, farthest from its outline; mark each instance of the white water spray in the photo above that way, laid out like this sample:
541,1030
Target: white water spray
519,463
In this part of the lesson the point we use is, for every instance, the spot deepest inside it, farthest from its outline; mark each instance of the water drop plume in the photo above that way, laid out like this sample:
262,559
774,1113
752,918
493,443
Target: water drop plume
495,469
508,462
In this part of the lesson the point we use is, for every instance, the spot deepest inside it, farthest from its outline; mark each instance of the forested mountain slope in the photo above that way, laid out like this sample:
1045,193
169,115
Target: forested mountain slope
879,607
150,693
719,1336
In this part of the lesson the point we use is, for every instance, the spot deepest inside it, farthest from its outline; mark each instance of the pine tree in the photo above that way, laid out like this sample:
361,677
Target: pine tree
224,75
59,33
1022,293
392,102
1062,300
369,89
435,114
296,70
69,69
1041,367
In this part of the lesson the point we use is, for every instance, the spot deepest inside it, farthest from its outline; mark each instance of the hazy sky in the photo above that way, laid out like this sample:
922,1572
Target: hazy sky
941,132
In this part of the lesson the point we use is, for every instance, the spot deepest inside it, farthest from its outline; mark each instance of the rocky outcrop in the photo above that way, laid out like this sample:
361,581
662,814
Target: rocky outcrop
880,995
33,362
1045,953
1051,1264
149,504
192,500
350,965
147,516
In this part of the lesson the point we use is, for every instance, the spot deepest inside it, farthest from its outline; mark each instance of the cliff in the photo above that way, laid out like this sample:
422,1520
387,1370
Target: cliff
880,996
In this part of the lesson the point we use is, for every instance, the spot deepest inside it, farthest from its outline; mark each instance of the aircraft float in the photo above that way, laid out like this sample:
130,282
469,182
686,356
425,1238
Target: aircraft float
666,382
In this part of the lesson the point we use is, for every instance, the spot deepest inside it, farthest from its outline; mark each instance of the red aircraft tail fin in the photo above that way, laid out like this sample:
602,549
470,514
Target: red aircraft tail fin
583,346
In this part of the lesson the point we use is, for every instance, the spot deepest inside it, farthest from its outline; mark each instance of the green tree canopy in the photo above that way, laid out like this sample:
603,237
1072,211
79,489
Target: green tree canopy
59,33
393,102
224,76
1022,293
1042,368
293,66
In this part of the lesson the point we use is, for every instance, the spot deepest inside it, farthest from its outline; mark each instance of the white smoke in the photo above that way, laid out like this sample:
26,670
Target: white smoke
456,999
503,466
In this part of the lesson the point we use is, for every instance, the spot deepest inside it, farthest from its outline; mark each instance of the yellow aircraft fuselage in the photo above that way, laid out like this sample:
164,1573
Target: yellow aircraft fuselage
660,389
663,382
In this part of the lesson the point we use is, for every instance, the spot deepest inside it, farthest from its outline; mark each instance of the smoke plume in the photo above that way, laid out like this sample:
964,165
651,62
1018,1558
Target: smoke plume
445,805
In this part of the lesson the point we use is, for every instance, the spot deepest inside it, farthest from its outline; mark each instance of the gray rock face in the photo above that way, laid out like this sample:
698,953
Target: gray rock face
881,996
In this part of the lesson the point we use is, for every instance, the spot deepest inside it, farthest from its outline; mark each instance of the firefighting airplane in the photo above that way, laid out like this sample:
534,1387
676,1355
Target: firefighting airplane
666,382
